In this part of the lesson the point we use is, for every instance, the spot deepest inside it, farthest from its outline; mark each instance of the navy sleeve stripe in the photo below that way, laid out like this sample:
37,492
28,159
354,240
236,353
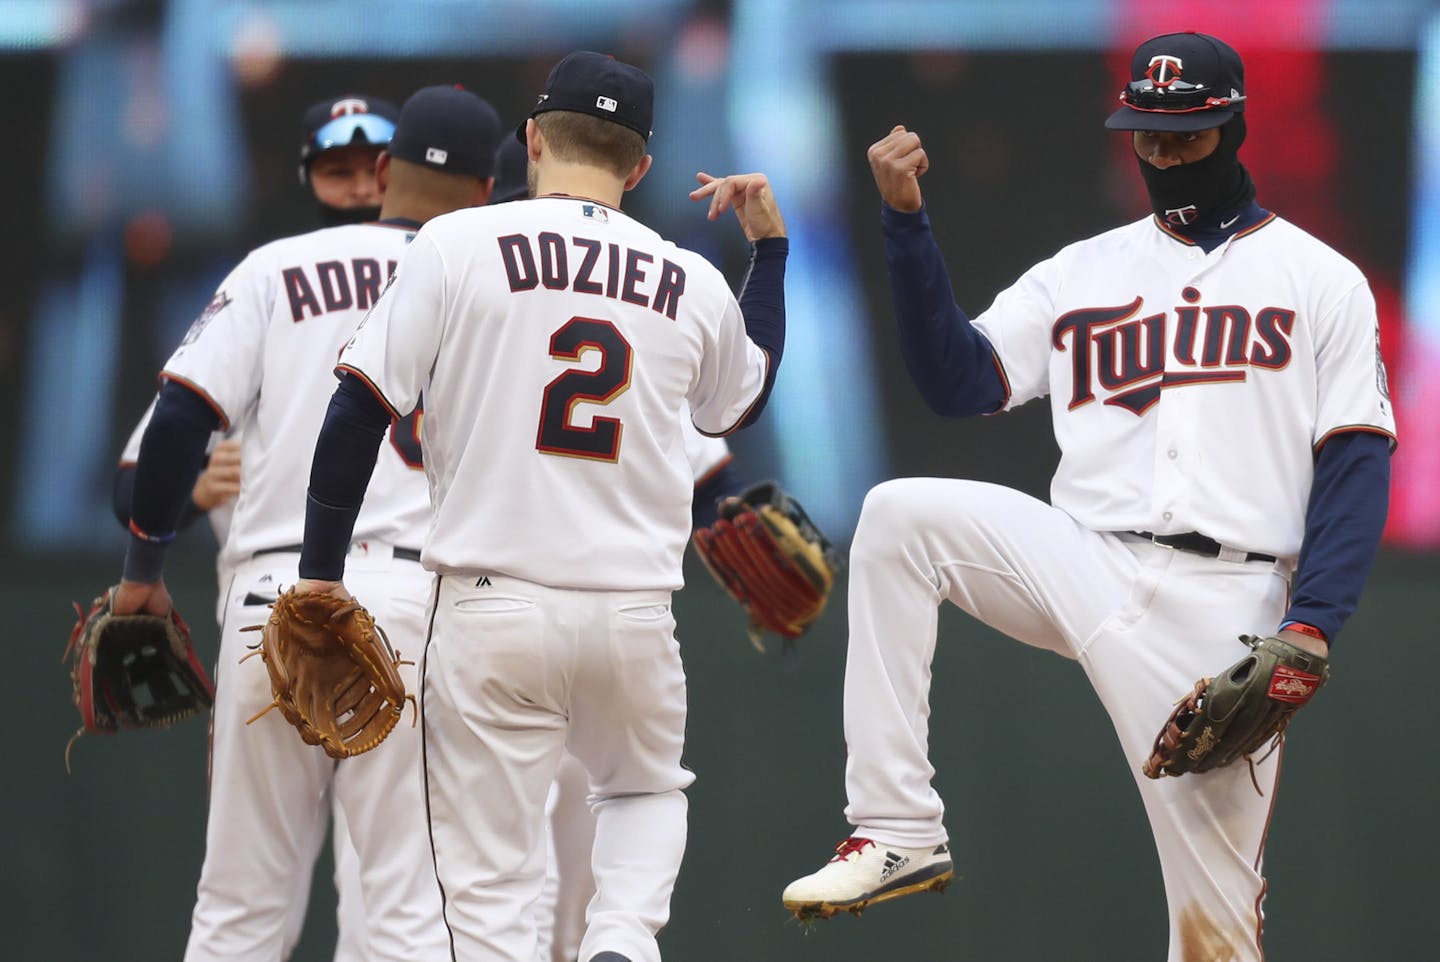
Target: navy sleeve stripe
1358,429
167,378
342,369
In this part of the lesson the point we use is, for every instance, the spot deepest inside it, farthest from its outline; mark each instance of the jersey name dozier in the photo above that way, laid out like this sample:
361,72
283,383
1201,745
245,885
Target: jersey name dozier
589,266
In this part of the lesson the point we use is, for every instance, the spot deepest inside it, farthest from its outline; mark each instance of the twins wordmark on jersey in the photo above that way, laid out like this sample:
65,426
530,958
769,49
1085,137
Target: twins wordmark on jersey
1132,354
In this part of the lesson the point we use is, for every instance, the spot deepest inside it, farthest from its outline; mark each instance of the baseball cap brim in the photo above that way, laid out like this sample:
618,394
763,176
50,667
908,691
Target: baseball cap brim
1128,118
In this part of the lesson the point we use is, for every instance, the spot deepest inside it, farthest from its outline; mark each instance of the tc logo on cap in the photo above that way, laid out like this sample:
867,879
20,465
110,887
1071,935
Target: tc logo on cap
350,105
1164,70
606,103
435,155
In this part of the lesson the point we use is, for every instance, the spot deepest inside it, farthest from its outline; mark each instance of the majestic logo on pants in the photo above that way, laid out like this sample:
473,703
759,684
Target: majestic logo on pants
1126,356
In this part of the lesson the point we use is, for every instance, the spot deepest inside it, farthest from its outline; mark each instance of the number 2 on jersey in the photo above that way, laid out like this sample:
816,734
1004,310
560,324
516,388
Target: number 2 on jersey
558,434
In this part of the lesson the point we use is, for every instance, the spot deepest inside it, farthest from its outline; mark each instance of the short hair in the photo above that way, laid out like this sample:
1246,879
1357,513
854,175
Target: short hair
578,138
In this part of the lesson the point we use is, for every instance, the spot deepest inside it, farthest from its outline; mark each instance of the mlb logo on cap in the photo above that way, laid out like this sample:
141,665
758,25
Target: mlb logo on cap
435,155
597,84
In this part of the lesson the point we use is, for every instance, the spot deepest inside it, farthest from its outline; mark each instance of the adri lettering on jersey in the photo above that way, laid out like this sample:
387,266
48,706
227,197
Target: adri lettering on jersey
1125,353
605,269
334,286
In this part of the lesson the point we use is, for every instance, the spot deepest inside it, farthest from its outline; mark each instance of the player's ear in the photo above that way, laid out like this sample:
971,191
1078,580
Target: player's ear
641,169
382,171
534,140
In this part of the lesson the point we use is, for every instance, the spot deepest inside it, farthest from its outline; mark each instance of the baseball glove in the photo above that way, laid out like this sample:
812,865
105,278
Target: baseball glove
1239,711
132,671
332,672
771,558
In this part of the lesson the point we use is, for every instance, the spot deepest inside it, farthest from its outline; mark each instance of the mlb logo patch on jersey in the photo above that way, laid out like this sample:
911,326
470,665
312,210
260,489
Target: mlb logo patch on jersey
595,212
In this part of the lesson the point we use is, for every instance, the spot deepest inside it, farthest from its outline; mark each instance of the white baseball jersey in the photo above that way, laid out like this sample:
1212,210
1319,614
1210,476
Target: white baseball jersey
1189,390
556,342
281,318
705,454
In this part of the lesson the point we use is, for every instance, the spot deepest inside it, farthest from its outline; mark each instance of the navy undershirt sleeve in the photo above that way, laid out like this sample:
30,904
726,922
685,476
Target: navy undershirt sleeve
951,363
172,452
1349,499
710,490
345,452
762,302
122,495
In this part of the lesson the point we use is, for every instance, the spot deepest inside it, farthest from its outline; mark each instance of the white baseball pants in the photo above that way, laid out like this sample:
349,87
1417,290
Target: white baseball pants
268,789
1144,621
515,673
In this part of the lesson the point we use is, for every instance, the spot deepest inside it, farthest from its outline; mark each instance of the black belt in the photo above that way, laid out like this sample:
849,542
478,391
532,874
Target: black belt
1197,543
404,554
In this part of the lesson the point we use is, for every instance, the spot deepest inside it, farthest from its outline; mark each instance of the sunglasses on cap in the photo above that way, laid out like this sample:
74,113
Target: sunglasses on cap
344,131
1177,96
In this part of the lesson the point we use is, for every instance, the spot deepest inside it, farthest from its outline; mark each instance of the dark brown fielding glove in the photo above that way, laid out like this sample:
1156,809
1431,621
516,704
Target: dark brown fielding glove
771,558
133,671
1239,711
332,672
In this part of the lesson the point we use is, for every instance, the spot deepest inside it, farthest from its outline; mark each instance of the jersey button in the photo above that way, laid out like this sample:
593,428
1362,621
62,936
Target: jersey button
1167,516
1172,454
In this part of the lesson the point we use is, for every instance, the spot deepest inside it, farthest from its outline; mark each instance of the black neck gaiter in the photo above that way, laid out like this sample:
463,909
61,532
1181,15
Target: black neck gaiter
338,216
1186,193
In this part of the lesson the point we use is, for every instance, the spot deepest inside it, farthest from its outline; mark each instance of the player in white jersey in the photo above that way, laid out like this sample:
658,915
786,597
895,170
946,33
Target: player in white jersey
260,358
1221,411
341,140
569,880
555,341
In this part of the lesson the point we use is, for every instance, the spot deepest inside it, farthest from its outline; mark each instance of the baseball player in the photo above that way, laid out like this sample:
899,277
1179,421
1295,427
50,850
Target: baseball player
555,341
1221,411
260,358
569,881
341,139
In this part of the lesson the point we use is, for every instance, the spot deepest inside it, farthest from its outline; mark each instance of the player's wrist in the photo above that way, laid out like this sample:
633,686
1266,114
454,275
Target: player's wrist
145,556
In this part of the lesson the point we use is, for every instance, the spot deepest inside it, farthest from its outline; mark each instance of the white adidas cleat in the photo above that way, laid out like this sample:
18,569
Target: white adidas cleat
863,873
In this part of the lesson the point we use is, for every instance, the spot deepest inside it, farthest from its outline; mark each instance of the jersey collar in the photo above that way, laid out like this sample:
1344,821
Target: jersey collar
1220,226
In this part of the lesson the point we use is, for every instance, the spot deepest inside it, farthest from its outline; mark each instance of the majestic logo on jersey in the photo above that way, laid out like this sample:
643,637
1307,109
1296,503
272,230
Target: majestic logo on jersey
1129,357
218,303
1164,70
348,106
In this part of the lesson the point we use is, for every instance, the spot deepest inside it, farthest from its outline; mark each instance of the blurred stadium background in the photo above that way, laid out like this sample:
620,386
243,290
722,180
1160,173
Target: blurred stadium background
153,143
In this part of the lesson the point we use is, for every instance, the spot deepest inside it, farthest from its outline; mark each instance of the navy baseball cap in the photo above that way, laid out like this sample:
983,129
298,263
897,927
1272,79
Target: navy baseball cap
601,86
450,129
512,161
1182,82
347,121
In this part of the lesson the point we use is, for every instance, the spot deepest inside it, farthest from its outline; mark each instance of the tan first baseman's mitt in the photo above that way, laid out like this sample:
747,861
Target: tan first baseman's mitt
333,673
